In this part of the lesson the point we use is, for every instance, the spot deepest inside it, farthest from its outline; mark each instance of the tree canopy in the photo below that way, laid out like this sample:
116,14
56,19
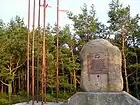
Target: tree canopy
13,41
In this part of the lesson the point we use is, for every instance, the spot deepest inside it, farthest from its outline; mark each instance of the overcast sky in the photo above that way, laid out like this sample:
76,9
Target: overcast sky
11,8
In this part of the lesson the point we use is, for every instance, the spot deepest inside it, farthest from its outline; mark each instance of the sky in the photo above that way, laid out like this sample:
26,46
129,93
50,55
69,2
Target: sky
11,8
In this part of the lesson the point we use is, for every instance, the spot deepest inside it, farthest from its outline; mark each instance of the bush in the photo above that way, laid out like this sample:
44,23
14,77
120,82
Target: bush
3,95
50,98
18,99
4,101
22,93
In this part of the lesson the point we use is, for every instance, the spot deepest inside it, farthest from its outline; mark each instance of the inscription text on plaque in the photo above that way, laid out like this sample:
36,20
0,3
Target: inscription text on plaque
96,64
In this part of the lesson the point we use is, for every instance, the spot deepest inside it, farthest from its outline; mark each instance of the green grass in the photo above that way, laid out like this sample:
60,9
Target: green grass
22,97
4,99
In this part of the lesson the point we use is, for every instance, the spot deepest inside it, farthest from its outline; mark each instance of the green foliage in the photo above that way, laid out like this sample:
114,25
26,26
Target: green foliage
134,67
13,39
120,16
12,48
22,93
4,101
85,25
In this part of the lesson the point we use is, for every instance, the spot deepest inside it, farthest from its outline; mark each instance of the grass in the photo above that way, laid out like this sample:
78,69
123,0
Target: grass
22,97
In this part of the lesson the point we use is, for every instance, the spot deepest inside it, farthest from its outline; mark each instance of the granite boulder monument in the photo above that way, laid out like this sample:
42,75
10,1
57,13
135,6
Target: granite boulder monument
101,67
101,76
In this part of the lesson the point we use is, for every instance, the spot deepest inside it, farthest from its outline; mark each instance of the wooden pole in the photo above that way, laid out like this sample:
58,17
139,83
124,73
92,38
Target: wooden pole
38,50
44,58
33,54
57,53
28,42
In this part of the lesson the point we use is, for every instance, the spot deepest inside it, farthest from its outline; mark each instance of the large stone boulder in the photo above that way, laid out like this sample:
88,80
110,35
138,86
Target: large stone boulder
102,98
101,67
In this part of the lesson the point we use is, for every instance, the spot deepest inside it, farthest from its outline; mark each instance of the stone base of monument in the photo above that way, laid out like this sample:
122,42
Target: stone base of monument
102,98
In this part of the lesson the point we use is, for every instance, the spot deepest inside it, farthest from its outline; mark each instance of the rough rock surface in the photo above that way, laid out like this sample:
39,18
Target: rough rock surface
102,98
39,103
101,67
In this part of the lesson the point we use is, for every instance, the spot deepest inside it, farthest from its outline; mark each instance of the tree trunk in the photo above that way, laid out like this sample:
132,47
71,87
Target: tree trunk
14,85
63,77
126,79
10,83
70,82
52,91
25,85
10,90
74,73
2,87
74,80
124,62
19,86
137,90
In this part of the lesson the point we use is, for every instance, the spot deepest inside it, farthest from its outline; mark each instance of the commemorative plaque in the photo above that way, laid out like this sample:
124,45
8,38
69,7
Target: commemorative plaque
97,63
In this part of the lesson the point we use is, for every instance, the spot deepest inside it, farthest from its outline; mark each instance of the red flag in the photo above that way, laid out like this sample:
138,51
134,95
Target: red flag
64,10
46,5
49,6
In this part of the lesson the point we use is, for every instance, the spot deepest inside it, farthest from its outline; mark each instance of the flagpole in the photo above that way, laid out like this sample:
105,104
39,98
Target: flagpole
28,42
38,50
33,54
57,53
44,58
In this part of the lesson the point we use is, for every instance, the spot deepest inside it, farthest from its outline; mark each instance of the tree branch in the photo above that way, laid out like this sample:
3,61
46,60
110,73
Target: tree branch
77,81
4,83
14,70
16,66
